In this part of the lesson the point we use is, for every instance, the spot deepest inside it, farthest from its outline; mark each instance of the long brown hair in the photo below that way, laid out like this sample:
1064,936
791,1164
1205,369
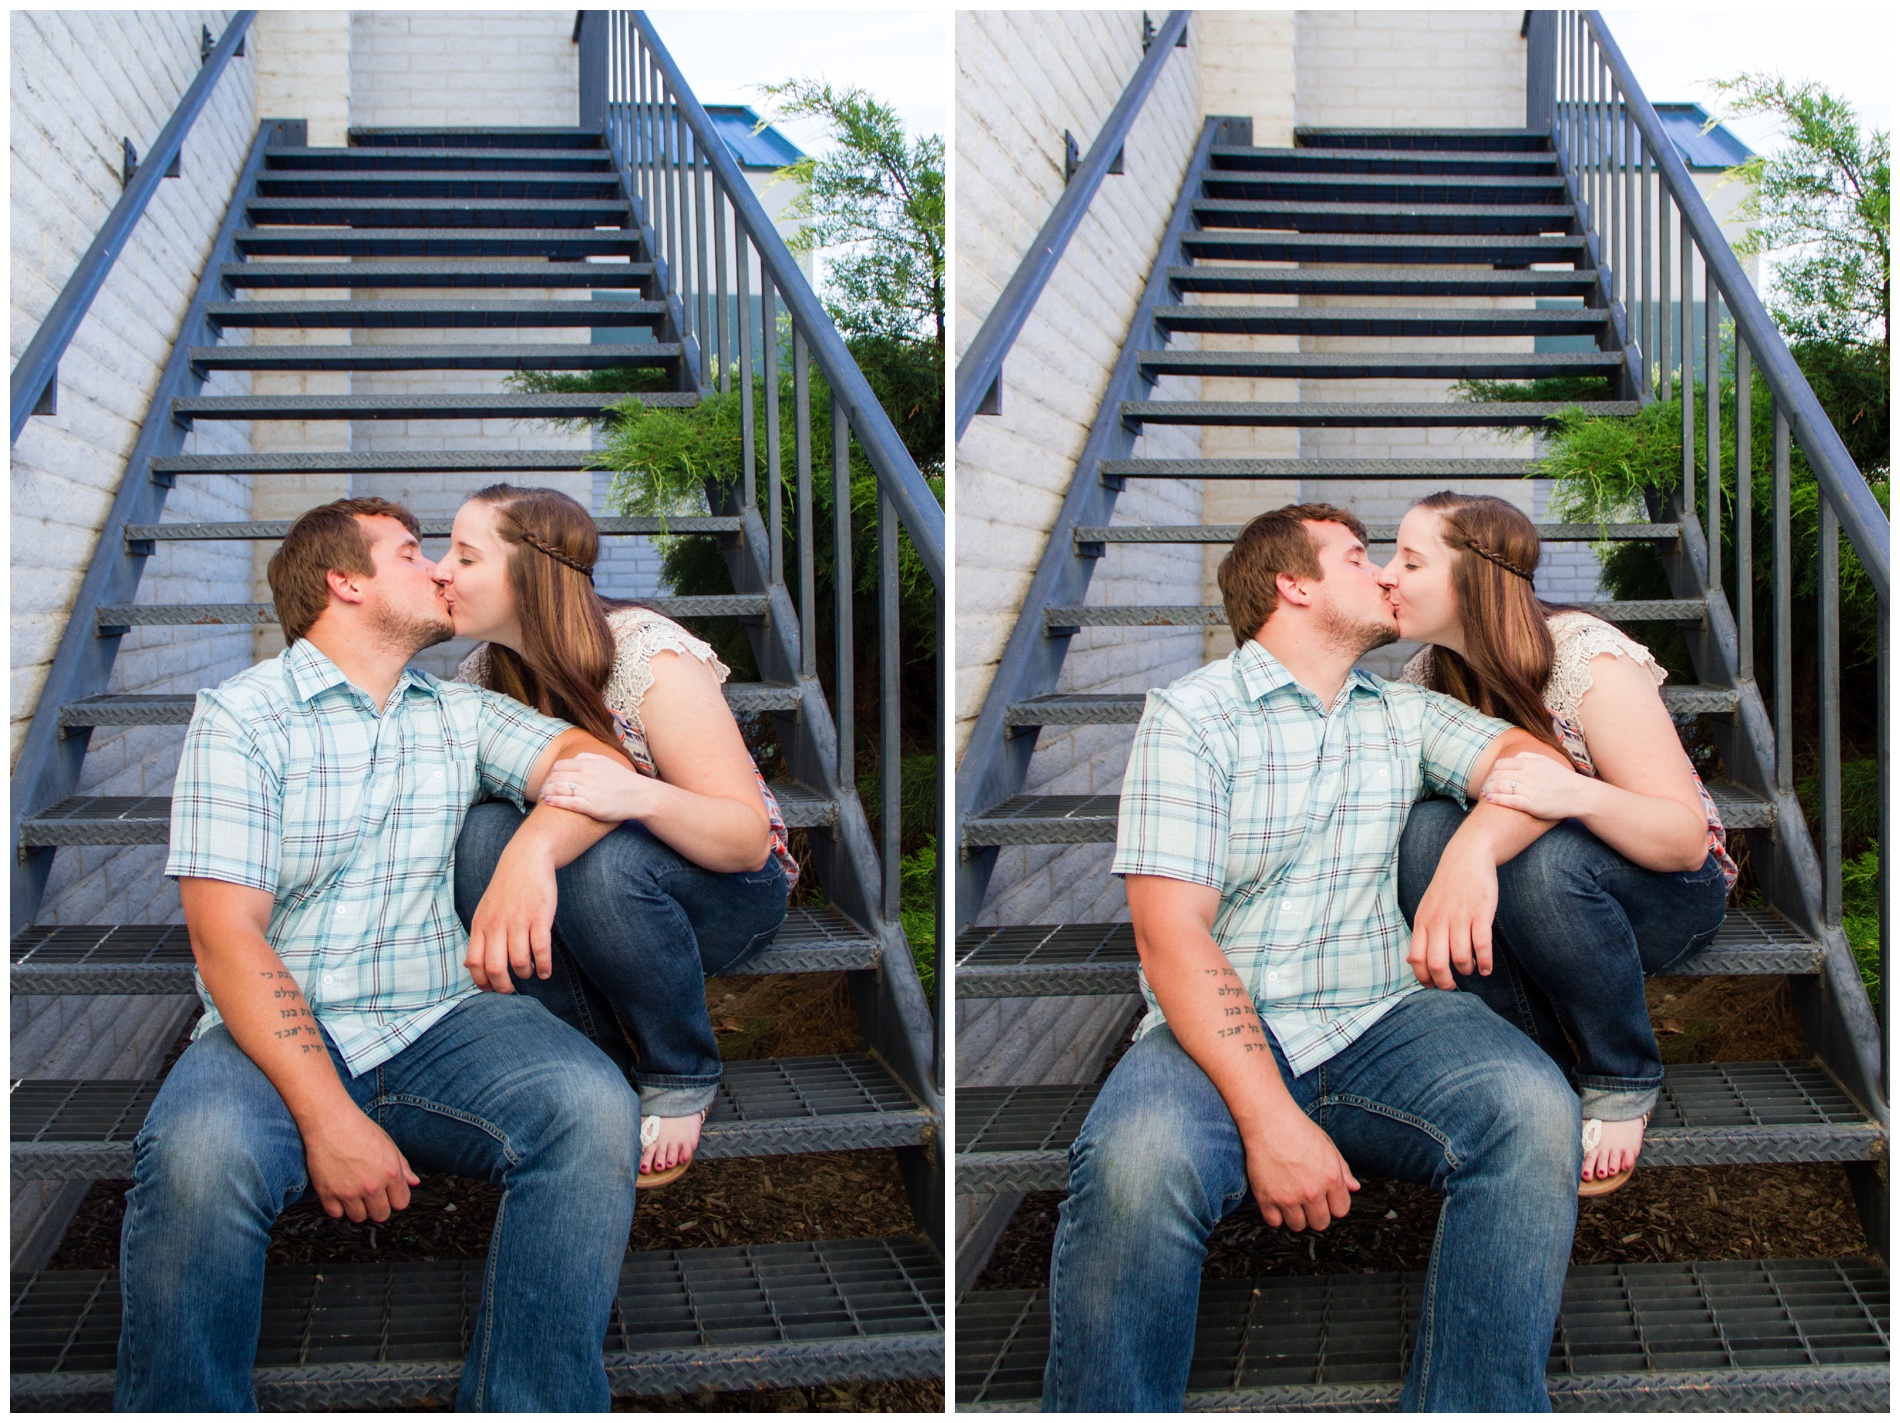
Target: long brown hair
567,648
1508,648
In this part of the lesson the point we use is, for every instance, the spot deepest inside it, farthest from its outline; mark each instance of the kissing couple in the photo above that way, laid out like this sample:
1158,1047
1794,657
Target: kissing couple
405,968
1393,927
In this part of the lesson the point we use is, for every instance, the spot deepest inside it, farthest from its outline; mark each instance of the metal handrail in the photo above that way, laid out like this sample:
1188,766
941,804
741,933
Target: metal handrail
38,367
981,366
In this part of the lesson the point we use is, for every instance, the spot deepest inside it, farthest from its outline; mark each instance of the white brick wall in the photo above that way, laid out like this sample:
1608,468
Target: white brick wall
463,68
1410,68
1023,78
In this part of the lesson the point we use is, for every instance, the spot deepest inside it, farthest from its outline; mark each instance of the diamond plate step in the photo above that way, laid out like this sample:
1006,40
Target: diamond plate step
265,275
1364,415
525,356
175,708
443,313
1060,620
392,1336
508,406
146,820
1384,217
520,185
545,241
1381,320
541,136
1236,158
83,1131
1709,1114
125,615
1404,365
373,462
458,160
1090,819
1380,281
1426,140
1062,960
1506,249
1375,533
439,528
437,212
1438,469
156,958
1543,192
1124,708
1710,1335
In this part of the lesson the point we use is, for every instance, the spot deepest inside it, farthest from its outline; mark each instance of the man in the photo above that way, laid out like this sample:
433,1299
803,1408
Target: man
344,1043
1289,1042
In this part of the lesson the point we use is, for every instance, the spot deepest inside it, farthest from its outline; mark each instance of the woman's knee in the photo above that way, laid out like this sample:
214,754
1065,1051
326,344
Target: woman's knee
1428,829
486,830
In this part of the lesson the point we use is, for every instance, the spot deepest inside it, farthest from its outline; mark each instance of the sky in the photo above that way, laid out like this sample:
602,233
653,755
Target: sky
902,57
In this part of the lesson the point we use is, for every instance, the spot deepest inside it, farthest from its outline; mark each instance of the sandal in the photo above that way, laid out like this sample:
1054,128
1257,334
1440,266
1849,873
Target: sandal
650,1133
1603,1185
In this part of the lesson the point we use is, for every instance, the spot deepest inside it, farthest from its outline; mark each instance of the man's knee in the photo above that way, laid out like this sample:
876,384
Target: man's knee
204,1152
1428,829
1153,1148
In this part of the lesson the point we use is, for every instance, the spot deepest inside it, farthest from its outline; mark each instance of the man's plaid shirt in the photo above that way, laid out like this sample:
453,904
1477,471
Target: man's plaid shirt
1239,780
291,783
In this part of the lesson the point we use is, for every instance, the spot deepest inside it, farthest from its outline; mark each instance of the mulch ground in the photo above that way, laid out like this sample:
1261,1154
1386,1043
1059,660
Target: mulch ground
753,1201
1678,1214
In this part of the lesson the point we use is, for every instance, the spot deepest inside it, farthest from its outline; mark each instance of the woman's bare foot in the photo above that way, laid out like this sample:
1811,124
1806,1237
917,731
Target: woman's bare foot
672,1144
1615,1150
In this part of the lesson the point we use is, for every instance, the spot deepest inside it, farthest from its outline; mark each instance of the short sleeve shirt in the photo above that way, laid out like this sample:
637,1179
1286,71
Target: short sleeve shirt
292,782
1242,781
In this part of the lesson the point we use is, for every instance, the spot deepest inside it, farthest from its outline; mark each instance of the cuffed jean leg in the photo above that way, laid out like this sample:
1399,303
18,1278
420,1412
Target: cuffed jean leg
217,1161
1156,1166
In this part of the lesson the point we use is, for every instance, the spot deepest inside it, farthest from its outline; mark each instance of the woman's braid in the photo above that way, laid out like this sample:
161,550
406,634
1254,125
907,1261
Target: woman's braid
1499,559
556,554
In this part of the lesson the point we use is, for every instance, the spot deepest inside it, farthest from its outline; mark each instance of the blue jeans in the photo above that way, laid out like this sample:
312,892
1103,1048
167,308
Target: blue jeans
499,1090
1439,1091
637,930
1578,927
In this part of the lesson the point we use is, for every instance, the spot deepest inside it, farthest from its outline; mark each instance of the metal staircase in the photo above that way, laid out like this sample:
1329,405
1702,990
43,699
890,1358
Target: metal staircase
1435,218
492,229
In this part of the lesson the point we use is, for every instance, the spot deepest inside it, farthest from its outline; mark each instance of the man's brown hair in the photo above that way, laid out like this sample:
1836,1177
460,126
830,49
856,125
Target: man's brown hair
1273,543
324,538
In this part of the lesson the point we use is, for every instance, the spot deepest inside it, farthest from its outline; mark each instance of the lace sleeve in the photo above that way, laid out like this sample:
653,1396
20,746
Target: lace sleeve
1579,639
1418,669
638,635
474,667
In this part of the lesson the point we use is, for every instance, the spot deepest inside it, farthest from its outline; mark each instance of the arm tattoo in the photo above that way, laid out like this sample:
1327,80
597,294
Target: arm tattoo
1252,1037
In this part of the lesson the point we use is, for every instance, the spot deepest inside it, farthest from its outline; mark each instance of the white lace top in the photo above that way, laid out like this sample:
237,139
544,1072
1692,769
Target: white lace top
639,634
1578,638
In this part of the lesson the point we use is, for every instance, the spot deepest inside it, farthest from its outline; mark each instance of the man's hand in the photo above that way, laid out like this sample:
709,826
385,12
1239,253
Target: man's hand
513,926
354,1167
1299,1179
1453,924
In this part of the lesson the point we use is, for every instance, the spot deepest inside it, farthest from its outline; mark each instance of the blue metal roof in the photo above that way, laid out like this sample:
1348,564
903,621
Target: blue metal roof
768,148
1718,148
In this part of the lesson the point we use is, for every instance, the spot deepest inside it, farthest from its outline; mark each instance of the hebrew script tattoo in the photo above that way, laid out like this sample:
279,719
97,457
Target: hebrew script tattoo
1236,1003
297,1024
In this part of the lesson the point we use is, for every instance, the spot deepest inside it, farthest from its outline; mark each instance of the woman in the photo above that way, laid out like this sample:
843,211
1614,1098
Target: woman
1636,875
696,875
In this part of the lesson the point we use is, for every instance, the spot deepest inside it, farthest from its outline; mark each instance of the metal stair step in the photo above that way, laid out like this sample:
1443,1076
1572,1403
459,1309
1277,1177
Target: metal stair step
1430,469
441,313
1236,158
507,406
372,462
1375,533
521,356
1709,1114
472,273
545,136
1370,217
128,615
459,160
1381,320
146,820
1065,960
1124,708
174,708
1397,365
156,958
1509,249
445,212
1090,819
538,241
1059,620
516,184
1426,140
1383,414
1409,189
83,1131
440,528
392,1336
1380,281
1670,1337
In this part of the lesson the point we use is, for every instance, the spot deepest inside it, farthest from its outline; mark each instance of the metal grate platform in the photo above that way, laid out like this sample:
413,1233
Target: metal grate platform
1730,1334
393,1335
1378,414
1382,320
83,1131
1710,1114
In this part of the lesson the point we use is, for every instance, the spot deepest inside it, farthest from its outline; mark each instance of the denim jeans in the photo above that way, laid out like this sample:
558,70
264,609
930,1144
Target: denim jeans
1579,927
499,1090
637,930
1438,1091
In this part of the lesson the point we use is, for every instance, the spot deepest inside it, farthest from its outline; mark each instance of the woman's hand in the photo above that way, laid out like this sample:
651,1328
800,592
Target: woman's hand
598,786
1538,786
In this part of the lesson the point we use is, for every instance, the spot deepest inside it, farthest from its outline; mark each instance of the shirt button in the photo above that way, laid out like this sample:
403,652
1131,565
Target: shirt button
328,978
1271,978
1286,904
438,775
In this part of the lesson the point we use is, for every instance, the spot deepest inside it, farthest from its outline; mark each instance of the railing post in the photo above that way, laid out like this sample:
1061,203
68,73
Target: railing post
591,31
1540,70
